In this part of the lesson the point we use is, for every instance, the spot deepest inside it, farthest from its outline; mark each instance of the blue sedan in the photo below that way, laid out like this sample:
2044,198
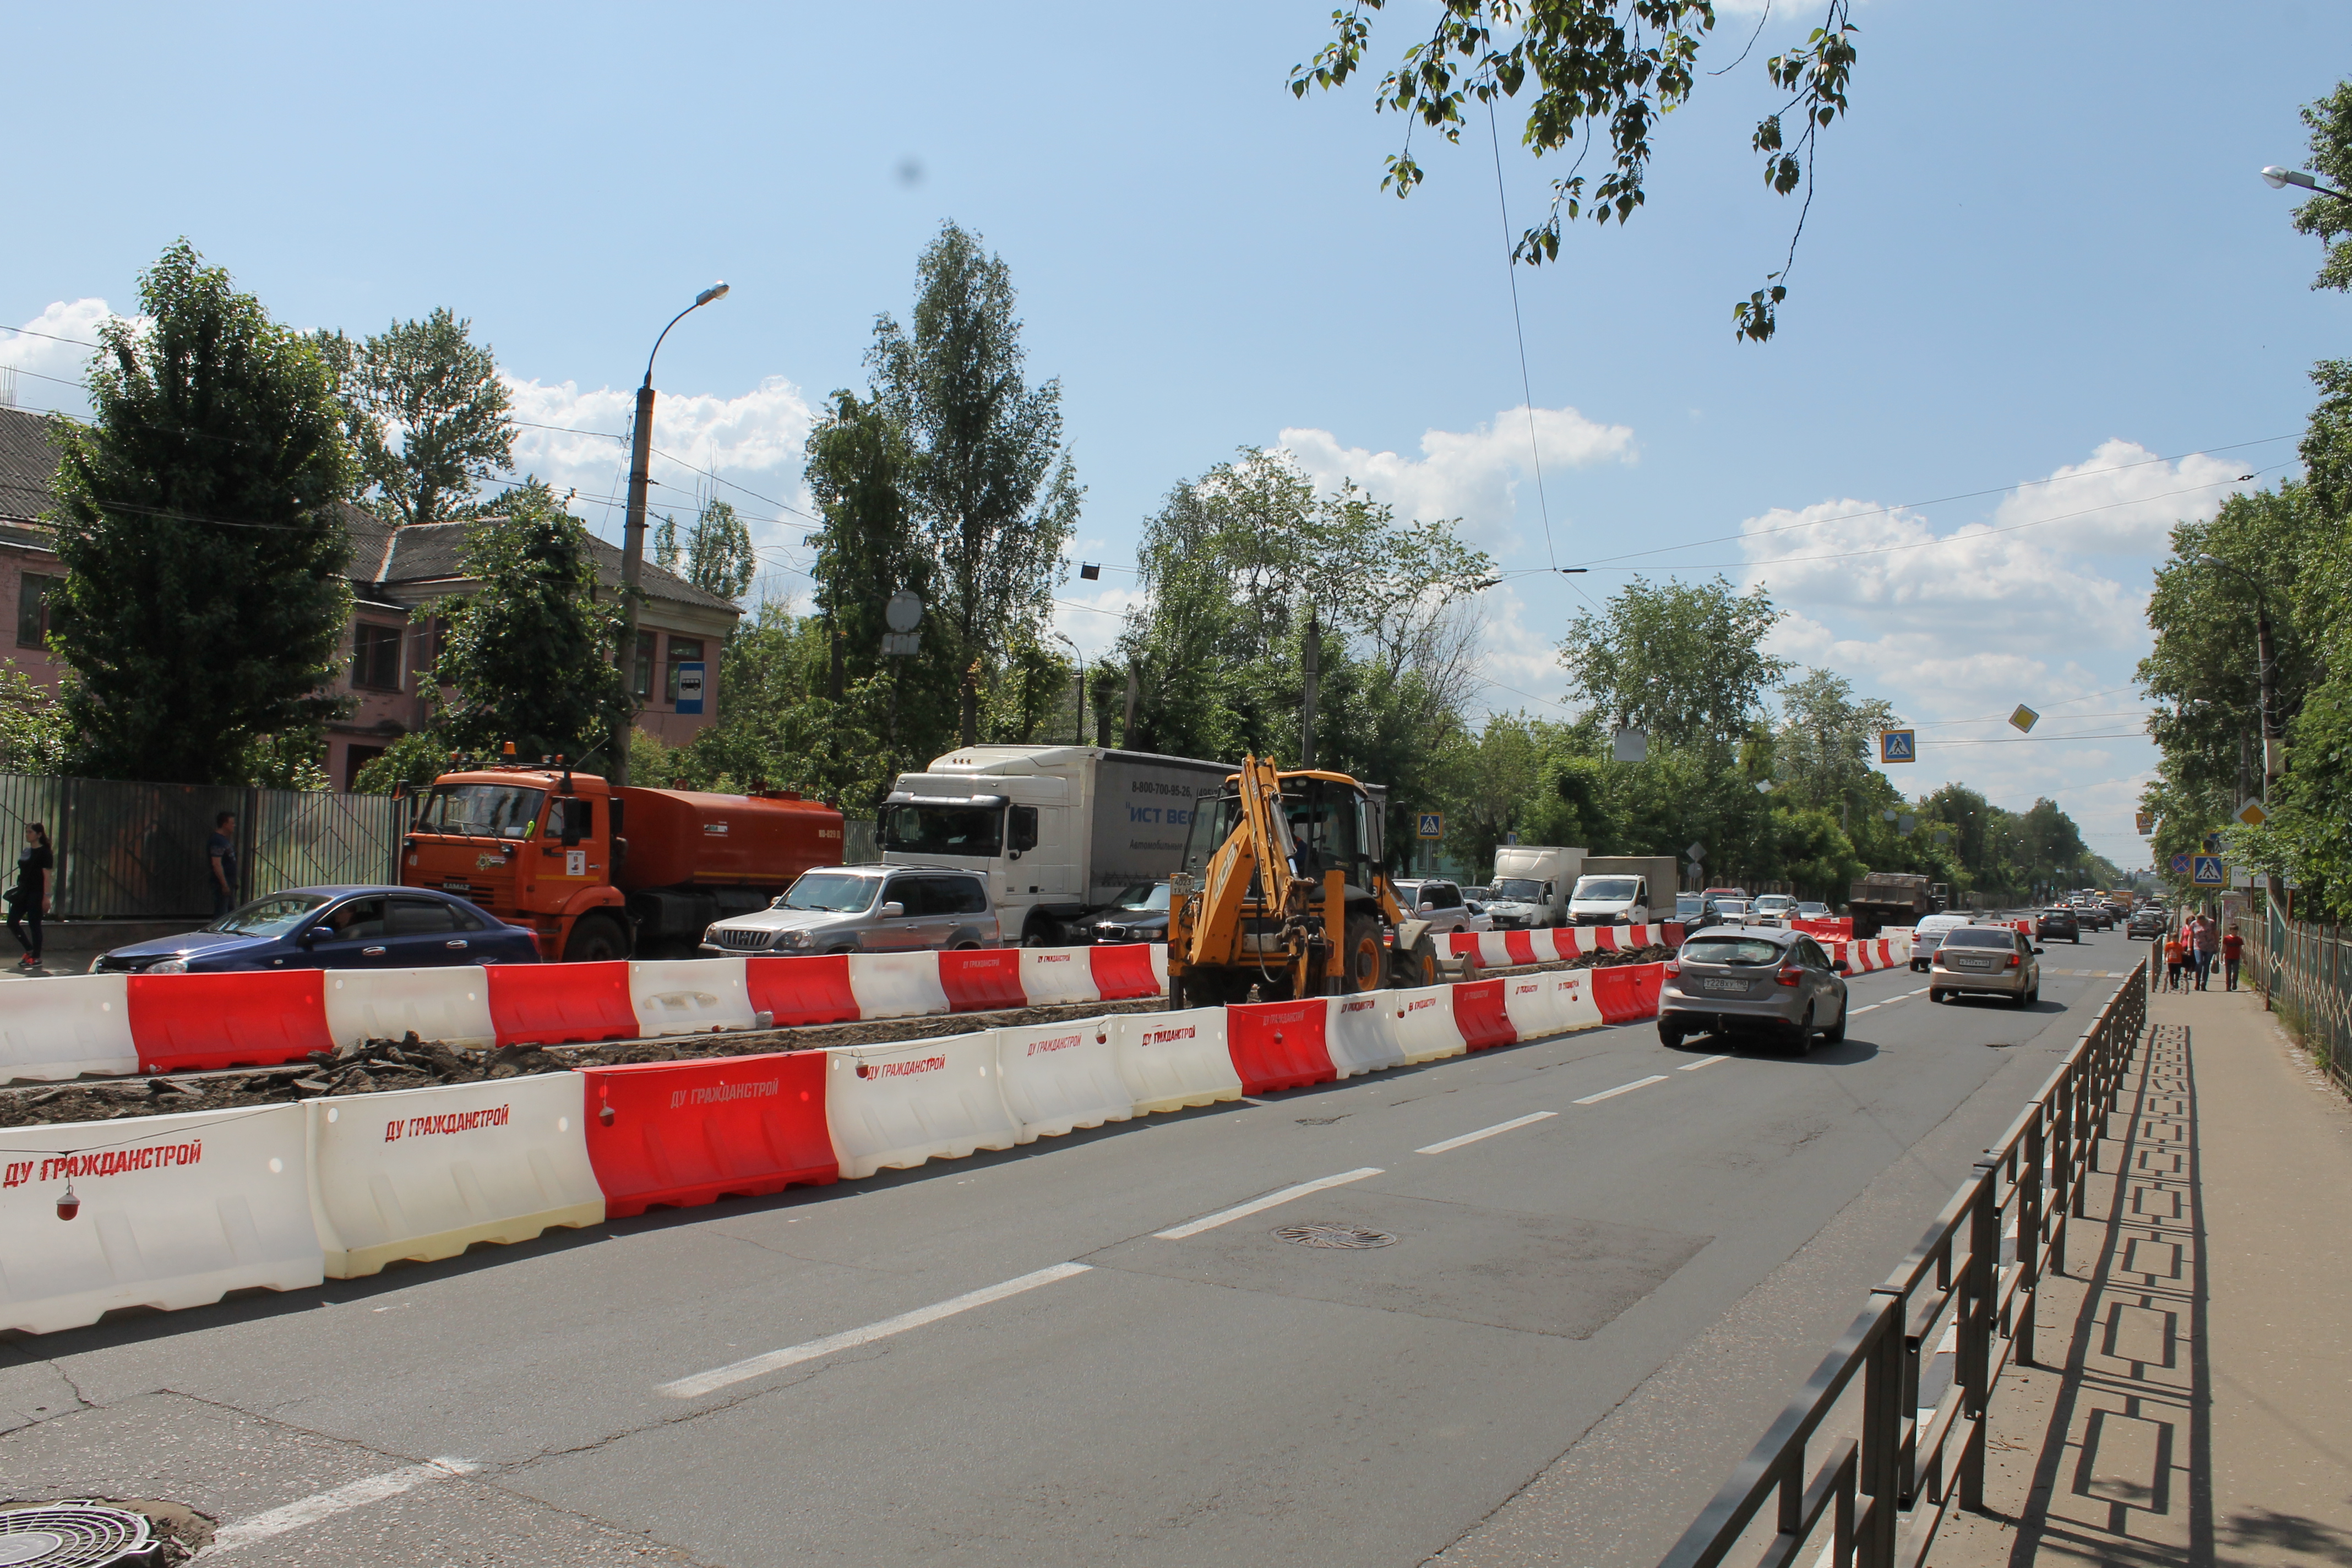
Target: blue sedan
332,928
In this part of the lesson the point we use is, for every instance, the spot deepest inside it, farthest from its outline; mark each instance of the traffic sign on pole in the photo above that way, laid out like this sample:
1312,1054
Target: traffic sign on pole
2024,720
2209,872
2252,813
1898,745
2180,865
1433,824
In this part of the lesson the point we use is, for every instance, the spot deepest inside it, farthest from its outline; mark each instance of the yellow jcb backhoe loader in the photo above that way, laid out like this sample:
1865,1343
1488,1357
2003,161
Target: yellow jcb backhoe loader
1282,888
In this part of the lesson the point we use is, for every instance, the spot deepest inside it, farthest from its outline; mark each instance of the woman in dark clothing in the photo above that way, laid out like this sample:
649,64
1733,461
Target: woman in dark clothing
30,896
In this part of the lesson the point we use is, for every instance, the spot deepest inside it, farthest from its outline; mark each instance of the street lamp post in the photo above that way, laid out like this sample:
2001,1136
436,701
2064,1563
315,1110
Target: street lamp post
633,540
2277,178
2273,733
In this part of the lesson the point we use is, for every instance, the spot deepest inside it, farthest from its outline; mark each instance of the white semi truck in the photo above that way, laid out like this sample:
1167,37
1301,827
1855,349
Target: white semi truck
1532,885
1061,830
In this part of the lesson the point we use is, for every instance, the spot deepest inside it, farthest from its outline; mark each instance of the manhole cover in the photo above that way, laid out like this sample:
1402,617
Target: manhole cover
71,1535
1351,1236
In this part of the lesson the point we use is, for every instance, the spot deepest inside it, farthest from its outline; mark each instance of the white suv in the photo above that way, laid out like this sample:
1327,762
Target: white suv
866,908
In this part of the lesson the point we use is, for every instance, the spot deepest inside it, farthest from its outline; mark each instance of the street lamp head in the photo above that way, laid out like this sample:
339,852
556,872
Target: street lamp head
2278,178
2206,558
716,291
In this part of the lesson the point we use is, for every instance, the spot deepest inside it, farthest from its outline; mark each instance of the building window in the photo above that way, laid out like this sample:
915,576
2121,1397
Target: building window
641,681
375,656
354,758
33,609
682,650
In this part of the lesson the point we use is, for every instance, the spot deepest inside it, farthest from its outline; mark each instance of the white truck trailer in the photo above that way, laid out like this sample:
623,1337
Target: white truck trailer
1532,885
1061,830
1625,889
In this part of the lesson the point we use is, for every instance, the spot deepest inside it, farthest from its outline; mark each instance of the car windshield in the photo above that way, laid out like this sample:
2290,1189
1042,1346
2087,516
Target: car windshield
274,916
1605,888
1144,896
482,810
831,892
1730,949
1775,902
1518,889
1980,936
944,829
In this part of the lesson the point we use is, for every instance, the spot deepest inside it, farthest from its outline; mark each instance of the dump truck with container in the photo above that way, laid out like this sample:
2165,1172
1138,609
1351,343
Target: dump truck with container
1883,898
1625,889
597,872
1062,832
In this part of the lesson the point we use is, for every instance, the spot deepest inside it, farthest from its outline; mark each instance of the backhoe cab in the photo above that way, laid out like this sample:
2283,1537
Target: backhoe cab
1282,888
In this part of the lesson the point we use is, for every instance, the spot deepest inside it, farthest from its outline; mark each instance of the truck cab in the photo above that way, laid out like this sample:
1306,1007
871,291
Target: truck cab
1610,899
533,847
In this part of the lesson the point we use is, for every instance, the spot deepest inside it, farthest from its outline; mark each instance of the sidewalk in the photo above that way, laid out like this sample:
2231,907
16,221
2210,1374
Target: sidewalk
2203,1412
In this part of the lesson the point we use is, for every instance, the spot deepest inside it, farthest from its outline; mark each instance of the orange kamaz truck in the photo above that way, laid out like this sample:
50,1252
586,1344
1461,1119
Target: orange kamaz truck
599,872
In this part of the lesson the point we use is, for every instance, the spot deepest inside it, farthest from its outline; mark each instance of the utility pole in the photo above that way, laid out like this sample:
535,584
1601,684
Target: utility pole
633,545
1313,662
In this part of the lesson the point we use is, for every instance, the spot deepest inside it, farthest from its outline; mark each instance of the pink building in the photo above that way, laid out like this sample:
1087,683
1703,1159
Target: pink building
387,654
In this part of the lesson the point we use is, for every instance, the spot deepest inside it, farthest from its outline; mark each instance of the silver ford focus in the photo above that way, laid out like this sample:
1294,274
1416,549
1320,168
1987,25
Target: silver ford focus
1993,959
1753,979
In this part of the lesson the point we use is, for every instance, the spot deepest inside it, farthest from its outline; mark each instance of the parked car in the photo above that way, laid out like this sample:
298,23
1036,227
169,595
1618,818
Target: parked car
343,927
1139,914
2053,923
1772,909
2145,923
1988,960
1929,934
866,908
1757,980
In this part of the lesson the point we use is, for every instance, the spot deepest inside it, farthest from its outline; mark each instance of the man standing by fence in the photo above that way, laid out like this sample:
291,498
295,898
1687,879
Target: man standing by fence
220,858
2234,948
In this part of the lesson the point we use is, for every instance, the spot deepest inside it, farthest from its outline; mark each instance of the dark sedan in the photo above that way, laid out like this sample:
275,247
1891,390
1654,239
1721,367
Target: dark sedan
2053,924
332,928
1139,915
2146,923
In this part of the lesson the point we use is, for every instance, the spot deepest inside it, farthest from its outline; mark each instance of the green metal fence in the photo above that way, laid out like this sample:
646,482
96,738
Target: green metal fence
136,851
2305,973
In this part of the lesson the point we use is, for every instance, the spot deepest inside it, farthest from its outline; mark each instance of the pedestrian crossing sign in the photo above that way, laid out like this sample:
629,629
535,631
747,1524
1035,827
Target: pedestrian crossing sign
1433,824
2209,872
1898,745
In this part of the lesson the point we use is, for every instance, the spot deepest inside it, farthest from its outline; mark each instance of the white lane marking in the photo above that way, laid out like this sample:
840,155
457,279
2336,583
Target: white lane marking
1702,1062
1622,1089
704,1383
1519,1121
1243,1211
1858,1012
324,1505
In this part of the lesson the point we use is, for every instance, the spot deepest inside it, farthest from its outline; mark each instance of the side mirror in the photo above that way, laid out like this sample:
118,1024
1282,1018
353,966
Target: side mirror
2037,950
892,911
1845,969
308,939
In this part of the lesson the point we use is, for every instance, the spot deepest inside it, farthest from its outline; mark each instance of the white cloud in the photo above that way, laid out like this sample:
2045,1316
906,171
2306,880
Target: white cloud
2123,497
50,371
1473,475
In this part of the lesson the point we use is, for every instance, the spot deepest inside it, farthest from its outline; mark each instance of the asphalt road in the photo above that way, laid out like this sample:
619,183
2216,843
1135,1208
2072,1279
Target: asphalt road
1070,1354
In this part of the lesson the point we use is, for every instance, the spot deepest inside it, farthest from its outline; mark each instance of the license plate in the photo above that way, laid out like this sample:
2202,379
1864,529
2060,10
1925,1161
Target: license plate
1723,985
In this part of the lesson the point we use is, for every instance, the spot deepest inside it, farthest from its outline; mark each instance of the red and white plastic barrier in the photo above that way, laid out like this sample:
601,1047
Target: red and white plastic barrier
452,1005
1509,948
188,1208
423,1173
1839,930
1880,952
691,996
66,1027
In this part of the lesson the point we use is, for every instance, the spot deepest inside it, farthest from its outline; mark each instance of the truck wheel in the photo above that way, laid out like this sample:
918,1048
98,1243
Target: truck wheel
596,938
1036,933
1365,953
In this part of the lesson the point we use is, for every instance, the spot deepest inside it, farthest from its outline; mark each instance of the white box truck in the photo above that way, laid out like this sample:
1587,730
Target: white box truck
1061,830
1625,889
1532,885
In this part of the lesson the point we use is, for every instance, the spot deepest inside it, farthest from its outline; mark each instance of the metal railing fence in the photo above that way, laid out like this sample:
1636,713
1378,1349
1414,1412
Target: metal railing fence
1885,1492
136,851
2304,973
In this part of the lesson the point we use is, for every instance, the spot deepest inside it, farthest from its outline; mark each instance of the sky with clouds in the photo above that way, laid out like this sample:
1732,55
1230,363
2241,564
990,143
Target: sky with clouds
2042,309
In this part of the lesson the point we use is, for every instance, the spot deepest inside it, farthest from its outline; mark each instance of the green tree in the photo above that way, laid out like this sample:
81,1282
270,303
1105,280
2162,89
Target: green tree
716,555
412,760
1595,64
1494,787
34,738
529,652
990,481
1822,749
1682,662
429,387
197,519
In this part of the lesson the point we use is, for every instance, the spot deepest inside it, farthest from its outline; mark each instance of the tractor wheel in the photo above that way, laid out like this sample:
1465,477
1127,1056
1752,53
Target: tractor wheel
596,938
1417,966
1365,954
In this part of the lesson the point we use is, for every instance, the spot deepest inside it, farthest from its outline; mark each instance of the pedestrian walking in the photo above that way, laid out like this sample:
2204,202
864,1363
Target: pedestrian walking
2205,940
2173,956
29,898
220,862
2234,948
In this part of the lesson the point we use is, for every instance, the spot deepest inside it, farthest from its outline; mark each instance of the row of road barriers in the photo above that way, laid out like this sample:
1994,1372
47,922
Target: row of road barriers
174,1211
1875,1499
118,1025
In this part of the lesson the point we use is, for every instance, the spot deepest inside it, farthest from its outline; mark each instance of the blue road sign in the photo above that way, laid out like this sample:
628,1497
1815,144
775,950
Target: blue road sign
2209,872
2180,865
1898,745
689,687
1433,824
